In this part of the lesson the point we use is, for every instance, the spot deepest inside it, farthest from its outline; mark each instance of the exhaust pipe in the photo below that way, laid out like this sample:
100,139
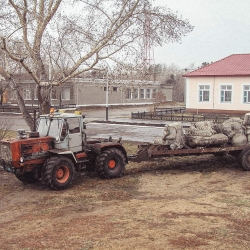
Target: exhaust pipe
34,133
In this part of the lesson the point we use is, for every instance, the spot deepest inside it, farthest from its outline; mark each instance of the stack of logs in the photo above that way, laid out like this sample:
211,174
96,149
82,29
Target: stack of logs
233,131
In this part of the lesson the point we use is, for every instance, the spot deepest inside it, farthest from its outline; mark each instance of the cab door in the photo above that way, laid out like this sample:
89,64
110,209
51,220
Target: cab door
75,141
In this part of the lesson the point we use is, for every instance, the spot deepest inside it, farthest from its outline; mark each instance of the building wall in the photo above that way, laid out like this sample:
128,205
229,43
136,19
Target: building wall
59,95
167,91
235,85
93,92
88,93
119,92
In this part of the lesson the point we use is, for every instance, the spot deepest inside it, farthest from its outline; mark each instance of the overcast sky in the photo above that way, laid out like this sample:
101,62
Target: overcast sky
221,28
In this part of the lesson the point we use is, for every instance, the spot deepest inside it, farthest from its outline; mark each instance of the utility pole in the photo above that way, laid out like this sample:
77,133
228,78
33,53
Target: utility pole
107,96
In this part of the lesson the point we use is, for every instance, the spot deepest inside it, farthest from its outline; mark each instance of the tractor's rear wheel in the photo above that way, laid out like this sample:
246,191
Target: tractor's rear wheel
245,158
26,177
110,163
58,172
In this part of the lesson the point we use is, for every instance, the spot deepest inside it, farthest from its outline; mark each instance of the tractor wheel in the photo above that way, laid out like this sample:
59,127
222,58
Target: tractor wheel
58,172
245,158
110,163
27,177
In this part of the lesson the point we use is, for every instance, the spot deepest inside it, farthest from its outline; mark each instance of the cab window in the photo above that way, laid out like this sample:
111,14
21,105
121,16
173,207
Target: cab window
74,125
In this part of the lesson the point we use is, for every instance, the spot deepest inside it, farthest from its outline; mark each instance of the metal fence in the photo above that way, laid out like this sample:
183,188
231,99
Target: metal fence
175,110
16,109
65,106
180,117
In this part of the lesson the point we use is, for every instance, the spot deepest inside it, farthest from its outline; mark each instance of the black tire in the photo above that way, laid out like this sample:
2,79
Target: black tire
110,163
245,158
58,172
27,177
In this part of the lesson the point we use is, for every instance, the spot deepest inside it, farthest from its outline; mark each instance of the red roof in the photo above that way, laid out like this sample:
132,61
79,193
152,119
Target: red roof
234,65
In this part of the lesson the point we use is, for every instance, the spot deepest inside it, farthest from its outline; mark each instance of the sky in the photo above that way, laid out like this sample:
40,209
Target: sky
221,28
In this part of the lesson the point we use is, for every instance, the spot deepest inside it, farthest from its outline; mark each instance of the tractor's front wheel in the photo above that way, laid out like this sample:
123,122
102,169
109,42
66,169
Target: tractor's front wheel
110,163
26,177
58,172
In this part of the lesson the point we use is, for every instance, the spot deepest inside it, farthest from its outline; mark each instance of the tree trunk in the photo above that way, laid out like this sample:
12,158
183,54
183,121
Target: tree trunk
26,115
1,101
45,106
43,101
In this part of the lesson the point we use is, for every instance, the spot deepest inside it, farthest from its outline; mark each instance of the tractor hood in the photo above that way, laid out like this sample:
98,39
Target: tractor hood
15,151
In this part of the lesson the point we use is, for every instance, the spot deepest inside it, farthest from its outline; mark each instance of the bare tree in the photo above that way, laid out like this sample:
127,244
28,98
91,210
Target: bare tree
3,87
159,99
76,36
3,84
179,89
172,75
5,128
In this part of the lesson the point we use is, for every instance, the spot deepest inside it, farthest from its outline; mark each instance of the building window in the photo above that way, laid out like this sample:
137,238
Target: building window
53,94
35,94
148,93
135,94
154,93
128,93
141,93
246,94
226,93
66,93
26,93
204,93
13,95
115,89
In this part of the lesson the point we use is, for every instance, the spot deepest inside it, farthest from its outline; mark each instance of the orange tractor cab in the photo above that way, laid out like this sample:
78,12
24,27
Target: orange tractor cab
57,149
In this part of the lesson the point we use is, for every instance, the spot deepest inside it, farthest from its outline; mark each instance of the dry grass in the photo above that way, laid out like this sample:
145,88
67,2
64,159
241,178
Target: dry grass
199,202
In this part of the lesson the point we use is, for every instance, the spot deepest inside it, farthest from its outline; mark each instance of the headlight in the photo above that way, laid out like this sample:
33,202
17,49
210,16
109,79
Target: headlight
21,159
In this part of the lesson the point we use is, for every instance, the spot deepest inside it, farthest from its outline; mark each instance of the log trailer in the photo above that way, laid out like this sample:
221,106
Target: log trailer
59,147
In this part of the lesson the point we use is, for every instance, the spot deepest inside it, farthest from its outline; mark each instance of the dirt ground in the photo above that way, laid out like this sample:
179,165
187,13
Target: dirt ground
200,202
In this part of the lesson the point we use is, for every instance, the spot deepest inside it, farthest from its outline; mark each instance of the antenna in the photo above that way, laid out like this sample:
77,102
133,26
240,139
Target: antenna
147,48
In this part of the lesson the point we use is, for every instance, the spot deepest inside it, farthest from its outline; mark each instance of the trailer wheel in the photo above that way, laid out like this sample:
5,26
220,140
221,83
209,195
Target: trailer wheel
27,177
58,172
110,163
245,158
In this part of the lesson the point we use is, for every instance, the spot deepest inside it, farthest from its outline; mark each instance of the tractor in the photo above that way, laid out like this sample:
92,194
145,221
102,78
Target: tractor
58,148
